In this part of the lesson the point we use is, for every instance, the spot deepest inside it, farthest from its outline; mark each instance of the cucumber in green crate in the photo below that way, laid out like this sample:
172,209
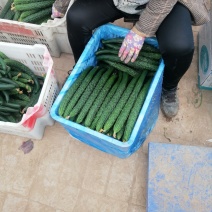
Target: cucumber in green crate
6,8
41,15
32,6
27,1
28,11
21,67
19,88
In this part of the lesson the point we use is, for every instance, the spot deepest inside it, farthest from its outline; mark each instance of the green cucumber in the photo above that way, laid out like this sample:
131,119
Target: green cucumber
93,95
112,103
99,100
106,101
134,113
74,99
120,105
89,89
6,8
120,122
77,83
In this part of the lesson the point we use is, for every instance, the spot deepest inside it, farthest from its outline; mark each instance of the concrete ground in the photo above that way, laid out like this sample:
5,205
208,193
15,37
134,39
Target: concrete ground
62,174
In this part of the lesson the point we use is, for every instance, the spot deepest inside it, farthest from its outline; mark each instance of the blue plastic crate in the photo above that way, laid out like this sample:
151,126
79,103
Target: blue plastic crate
148,114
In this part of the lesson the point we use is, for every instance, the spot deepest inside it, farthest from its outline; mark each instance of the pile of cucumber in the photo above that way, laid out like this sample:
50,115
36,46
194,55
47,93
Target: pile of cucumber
108,97
29,11
19,89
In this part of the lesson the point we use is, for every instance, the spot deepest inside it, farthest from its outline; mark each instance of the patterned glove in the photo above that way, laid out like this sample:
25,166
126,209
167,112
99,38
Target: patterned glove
131,47
56,14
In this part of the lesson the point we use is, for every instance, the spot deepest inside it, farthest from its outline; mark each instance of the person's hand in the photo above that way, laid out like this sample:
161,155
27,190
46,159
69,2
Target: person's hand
56,14
131,47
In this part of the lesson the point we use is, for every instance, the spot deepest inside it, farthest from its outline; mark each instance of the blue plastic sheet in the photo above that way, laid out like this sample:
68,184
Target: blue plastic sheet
148,114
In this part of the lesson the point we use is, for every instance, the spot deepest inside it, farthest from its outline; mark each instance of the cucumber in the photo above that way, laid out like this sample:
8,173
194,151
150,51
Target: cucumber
120,105
33,100
6,8
106,51
23,97
106,101
117,40
119,135
9,81
120,122
38,15
99,100
26,1
33,5
135,111
3,56
112,103
11,118
149,48
14,64
9,15
89,89
15,91
17,15
3,64
8,109
151,55
10,104
111,46
77,83
140,64
6,95
4,87
122,67
4,113
79,92
19,102
94,94
27,13
3,118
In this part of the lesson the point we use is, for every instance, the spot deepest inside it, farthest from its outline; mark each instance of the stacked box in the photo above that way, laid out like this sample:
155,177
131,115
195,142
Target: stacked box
38,59
205,57
53,34
148,114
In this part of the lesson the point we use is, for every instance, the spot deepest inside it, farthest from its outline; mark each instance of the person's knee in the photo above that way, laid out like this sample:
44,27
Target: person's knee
78,19
72,17
178,48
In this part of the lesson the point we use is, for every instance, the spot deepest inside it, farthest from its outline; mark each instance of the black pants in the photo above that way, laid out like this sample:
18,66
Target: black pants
175,37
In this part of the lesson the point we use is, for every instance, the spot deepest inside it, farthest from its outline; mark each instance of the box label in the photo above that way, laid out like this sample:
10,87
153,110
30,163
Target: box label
204,59
15,29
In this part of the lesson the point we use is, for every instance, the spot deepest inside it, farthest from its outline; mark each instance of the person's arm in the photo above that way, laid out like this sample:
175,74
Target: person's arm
149,21
153,15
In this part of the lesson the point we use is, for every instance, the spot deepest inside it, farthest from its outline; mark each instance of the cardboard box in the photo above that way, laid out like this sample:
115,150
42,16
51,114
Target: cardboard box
205,57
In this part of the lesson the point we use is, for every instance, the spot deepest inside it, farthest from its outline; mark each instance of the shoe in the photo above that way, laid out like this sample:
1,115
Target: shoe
169,102
69,72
